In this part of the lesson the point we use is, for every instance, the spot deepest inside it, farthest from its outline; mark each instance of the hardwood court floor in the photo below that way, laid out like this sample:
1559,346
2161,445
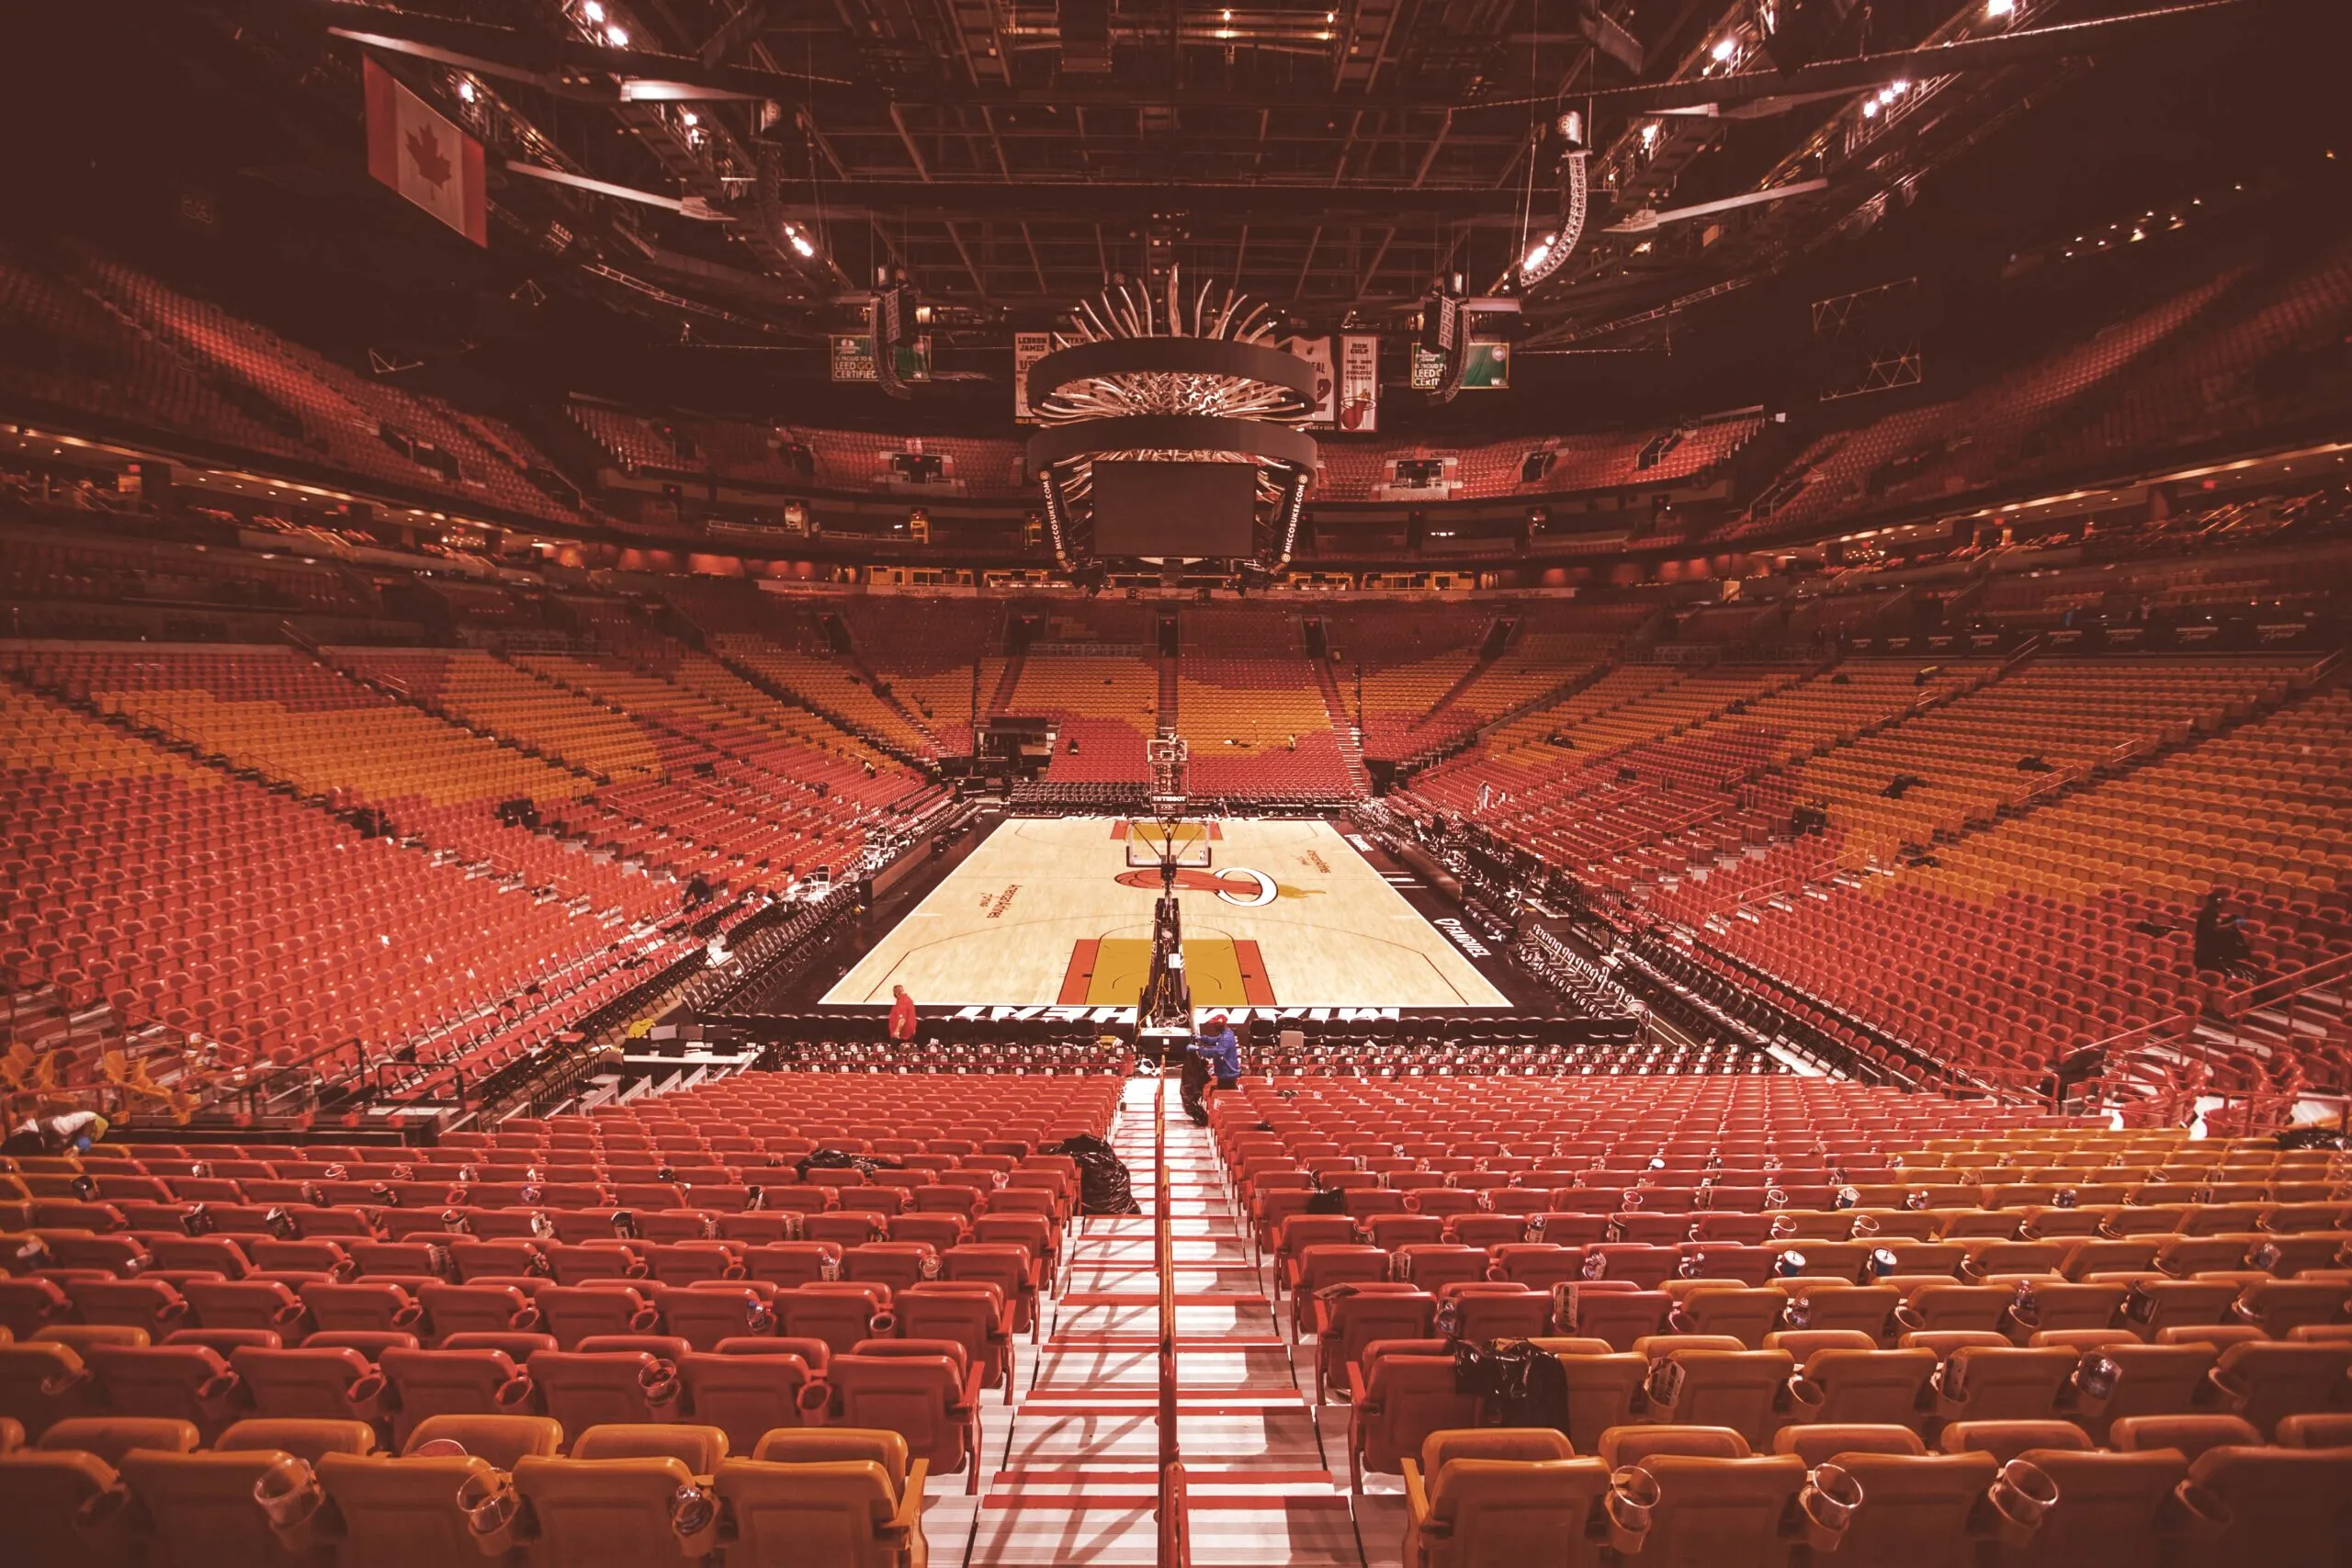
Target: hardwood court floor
1047,910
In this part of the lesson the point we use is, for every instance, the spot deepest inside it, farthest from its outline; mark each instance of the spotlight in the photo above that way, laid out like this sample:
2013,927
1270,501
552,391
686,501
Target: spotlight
617,37
1571,129
465,91
691,119
1541,254
592,11
1870,108
800,243
1725,47
2001,7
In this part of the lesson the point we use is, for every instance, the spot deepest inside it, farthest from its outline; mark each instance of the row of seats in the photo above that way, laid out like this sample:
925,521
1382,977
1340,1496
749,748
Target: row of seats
118,1492
2195,1492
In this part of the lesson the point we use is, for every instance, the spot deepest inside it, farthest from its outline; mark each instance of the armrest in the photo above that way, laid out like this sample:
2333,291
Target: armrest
1357,1395
1416,1496
908,1520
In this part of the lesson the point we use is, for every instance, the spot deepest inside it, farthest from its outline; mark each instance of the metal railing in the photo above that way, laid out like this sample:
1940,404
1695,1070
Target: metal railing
1175,1546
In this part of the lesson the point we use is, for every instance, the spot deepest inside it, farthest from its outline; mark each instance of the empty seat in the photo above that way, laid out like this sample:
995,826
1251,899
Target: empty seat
1497,1497
841,1497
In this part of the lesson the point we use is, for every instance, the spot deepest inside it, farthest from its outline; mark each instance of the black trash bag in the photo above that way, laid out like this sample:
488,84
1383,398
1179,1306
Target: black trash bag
1103,1184
841,1160
1515,1383
1328,1201
1193,1086
1494,1374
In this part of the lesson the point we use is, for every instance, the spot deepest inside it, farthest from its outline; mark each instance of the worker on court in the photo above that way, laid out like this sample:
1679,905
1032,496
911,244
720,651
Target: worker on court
903,1015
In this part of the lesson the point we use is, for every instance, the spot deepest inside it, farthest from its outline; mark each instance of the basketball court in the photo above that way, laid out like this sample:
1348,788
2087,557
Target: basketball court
1277,913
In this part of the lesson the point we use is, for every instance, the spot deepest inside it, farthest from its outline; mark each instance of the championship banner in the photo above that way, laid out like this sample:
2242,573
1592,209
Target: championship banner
1359,383
420,154
1316,352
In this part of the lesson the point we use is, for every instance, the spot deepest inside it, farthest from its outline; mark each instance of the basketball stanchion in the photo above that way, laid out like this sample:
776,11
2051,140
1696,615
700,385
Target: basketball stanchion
1175,1548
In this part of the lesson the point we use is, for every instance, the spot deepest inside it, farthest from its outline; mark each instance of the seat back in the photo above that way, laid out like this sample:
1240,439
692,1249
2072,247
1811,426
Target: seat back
1915,1508
917,1396
398,1513
428,1383
182,1382
1720,1513
2107,1507
583,1389
839,1314
748,1396
825,1514
55,1505
2278,1504
306,1385
1493,1513
2264,1381
1737,1389
606,1513
1406,1398
199,1508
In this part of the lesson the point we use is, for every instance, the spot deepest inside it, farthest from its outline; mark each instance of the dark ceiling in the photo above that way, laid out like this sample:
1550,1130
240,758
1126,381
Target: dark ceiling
1008,156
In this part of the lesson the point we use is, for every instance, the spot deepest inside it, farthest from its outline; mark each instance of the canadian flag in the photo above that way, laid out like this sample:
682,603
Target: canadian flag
420,154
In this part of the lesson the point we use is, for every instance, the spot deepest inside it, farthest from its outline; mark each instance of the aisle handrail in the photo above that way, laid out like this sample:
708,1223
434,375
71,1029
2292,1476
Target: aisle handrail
1174,1549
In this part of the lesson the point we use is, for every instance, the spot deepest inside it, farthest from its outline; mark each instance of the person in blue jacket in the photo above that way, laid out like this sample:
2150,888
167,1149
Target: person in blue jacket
1216,1063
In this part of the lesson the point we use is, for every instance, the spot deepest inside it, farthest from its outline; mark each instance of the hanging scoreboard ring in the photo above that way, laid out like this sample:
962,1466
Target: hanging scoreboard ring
1218,374
1173,432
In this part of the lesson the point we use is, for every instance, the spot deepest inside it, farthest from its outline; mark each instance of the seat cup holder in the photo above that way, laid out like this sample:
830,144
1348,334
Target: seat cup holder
2023,1495
514,1394
1831,1496
2199,1512
694,1515
1802,1398
1631,1506
487,1498
365,1396
658,1382
290,1498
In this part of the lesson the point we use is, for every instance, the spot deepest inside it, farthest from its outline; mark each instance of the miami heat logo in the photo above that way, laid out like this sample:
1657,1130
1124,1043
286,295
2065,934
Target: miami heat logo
1233,884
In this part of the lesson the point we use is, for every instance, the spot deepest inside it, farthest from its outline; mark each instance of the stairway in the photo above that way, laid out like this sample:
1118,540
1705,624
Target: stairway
1344,725
1007,682
1167,691
1079,1479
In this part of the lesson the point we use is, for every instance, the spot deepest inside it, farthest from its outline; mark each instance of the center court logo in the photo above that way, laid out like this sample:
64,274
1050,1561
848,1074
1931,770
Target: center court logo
1236,885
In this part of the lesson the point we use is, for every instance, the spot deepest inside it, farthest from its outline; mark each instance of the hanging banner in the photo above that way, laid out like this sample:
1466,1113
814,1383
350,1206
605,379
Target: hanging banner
1027,349
1316,352
854,358
1359,382
420,154
1489,367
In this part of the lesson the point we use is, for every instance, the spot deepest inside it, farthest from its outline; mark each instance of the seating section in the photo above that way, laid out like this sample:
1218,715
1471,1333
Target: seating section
2185,370
173,895
1251,713
2073,925
1106,705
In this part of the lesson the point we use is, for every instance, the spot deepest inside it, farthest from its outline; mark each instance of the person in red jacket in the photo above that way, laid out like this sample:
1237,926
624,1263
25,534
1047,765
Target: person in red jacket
902,1014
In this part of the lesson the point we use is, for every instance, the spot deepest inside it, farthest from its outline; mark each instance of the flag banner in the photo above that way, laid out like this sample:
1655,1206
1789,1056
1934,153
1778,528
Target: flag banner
412,149
1359,383
1316,352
